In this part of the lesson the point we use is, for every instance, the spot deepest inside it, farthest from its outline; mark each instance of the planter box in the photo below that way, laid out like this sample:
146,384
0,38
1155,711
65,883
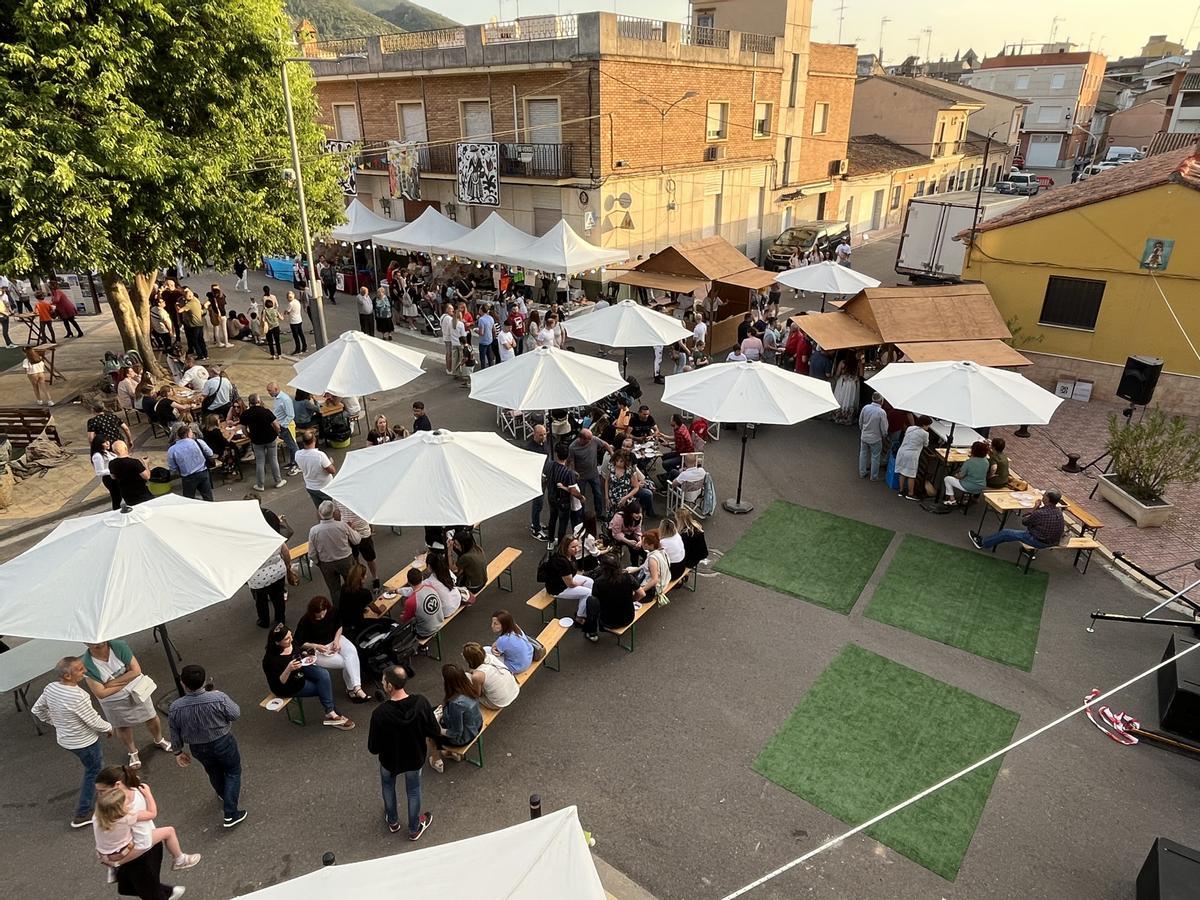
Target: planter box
1143,516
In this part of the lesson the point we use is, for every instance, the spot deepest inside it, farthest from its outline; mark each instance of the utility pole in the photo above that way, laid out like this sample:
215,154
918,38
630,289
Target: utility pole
841,11
928,32
319,329
1054,27
882,23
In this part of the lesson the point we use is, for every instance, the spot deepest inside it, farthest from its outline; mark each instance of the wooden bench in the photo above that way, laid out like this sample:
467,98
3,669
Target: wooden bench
549,638
501,565
641,611
300,555
1087,522
23,424
544,600
1083,547
297,717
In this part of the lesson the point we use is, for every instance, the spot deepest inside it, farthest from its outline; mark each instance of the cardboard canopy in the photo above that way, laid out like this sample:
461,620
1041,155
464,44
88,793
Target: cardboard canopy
994,353
661,281
542,858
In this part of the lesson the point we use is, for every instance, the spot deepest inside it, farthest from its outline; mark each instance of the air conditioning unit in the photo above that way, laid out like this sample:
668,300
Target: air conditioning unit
712,154
839,166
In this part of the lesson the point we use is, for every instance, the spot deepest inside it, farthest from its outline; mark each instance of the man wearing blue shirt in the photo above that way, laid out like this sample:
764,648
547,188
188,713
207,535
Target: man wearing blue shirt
486,329
188,458
285,414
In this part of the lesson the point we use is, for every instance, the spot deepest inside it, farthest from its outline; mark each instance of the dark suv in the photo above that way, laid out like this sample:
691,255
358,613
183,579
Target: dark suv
825,235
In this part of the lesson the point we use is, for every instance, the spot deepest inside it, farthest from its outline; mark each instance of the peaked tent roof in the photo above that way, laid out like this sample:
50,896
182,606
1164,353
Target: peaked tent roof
544,857
561,250
428,230
1176,167
493,241
710,258
361,224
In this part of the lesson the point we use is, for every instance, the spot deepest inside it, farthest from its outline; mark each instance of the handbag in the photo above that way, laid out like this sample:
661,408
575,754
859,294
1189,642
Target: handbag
142,687
539,651
286,531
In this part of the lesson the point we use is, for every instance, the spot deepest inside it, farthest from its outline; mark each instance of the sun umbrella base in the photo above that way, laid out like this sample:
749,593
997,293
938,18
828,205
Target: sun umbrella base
738,507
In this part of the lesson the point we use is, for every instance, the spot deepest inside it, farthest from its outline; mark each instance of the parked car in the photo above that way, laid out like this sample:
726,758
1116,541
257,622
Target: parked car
1098,169
1123,154
1018,162
1045,181
824,235
1019,183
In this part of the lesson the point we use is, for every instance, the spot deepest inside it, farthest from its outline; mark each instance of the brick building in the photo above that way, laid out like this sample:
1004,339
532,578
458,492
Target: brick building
638,132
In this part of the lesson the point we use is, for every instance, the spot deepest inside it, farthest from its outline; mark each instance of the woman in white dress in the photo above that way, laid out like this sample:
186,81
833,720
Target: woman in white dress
495,686
846,387
908,457
111,670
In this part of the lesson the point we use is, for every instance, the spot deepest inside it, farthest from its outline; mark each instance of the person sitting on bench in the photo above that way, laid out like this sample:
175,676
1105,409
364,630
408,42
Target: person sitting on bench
1044,526
422,601
611,603
971,477
494,685
470,567
563,580
655,573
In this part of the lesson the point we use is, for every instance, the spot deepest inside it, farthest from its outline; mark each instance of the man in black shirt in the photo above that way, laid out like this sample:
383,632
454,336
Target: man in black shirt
402,734
263,430
562,484
539,443
643,426
420,420
130,475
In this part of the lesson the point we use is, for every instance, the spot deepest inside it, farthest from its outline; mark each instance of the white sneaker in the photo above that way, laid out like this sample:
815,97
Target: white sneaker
280,483
177,892
259,488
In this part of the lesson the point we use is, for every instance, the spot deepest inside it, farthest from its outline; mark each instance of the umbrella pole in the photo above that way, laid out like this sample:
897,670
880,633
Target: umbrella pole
737,507
625,363
822,301
172,654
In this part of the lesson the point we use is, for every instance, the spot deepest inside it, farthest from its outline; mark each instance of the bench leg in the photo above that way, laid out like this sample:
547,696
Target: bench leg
396,529
437,639
632,637
476,758
692,580
306,567
1028,557
296,717
1086,556
500,582
557,667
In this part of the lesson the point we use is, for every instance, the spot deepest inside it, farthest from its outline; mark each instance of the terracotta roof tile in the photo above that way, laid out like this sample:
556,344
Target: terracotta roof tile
871,153
1178,167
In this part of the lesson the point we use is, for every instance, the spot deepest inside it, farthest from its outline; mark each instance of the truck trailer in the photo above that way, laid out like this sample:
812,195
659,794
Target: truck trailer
928,251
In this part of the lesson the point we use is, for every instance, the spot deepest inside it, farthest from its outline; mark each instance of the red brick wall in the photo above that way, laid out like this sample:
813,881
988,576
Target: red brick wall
629,130
817,152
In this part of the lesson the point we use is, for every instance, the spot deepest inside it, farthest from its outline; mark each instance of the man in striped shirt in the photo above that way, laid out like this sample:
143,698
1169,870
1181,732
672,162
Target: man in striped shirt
77,726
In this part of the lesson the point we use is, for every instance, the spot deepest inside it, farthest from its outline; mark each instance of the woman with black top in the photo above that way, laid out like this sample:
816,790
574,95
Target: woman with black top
355,600
102,455
563,580
320,630
611,603
695,547
291,673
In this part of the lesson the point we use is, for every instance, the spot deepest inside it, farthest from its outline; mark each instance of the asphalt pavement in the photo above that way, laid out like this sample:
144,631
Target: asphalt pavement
654,747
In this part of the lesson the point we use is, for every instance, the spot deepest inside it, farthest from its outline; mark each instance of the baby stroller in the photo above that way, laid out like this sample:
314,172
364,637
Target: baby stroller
386,643
429,316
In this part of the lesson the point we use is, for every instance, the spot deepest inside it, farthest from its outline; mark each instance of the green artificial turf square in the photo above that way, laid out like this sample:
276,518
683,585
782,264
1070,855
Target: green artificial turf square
964,598
870,733
816,556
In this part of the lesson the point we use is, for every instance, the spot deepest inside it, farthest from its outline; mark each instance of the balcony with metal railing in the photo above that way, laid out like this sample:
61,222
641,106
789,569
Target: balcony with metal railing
551,161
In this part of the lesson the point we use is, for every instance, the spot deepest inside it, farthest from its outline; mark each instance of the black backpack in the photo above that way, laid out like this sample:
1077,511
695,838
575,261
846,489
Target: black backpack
632,389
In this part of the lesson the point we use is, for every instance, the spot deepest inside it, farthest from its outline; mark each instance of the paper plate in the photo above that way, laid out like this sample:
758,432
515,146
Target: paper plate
276,704
566,621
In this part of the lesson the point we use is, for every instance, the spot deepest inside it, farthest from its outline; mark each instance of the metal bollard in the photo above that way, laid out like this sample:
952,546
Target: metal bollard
327,859
535,806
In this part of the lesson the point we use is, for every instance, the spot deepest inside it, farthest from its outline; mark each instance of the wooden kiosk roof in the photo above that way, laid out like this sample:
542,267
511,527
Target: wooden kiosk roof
985,353
709,259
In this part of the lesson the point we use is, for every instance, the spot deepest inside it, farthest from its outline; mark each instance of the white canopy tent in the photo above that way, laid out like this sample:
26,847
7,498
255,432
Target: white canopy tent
546,378
357,364
361,224
437,478
543,858
560,250
428,230
492,242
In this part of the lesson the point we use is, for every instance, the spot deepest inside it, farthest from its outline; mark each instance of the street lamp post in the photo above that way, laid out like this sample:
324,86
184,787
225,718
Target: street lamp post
662,124
319,328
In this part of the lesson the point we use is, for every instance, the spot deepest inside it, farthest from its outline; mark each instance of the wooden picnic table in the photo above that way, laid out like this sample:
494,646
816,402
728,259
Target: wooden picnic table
332,409
47,351
185,397
1003,503
31,320
235,434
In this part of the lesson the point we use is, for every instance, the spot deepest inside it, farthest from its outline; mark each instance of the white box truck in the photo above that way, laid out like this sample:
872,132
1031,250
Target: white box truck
928,250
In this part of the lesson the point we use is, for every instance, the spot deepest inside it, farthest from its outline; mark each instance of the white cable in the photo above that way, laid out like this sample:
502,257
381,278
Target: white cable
833,842
1171,310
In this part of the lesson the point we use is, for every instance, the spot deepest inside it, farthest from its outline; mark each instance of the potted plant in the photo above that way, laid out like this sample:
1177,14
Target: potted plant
1146,458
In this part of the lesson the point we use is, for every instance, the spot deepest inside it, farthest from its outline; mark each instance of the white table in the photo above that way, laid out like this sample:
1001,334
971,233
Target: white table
963,436
25,662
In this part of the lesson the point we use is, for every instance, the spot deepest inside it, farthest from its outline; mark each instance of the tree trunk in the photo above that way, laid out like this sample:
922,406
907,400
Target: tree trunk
130,305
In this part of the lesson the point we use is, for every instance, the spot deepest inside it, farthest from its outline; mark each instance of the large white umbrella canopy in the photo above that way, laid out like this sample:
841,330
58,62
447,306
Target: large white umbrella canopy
103,576
428,230
562,251
535,860
750,392
361,224
356,364
546,378
493,241
627,324
437,478
965,393
826,277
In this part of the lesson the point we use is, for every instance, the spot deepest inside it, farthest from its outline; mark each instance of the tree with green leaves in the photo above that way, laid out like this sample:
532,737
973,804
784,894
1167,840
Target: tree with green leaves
133,132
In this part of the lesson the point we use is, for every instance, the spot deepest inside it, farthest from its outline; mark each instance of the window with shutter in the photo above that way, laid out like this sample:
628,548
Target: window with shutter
1072,302
542,122
346,119
412,122
476,120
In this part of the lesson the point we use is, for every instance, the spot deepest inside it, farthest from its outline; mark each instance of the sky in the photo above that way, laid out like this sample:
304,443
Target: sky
1114,27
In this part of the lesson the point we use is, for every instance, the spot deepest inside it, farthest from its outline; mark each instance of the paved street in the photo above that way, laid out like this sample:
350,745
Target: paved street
655,747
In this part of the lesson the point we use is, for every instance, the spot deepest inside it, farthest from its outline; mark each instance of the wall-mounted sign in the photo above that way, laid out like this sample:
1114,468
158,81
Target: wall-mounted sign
1156,255
589,220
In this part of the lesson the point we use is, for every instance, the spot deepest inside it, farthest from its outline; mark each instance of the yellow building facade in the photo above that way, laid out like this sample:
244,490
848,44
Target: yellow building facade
1091,274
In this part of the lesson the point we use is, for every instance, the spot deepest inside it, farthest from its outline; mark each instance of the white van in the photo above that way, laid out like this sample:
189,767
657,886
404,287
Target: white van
1123,154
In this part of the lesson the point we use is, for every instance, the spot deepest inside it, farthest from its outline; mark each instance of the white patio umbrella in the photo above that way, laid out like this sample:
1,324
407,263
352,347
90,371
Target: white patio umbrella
357,364
828,278
546,378
627,324
437,478
98,577
748,392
